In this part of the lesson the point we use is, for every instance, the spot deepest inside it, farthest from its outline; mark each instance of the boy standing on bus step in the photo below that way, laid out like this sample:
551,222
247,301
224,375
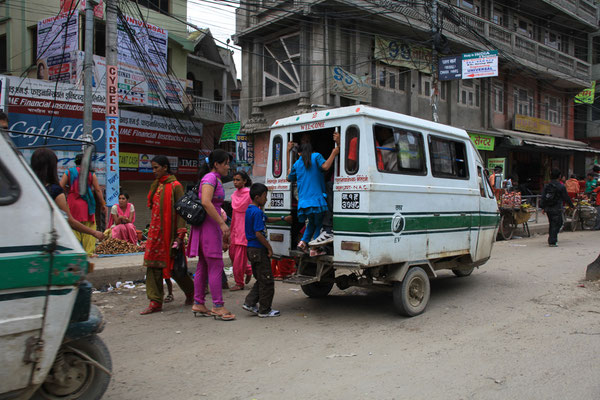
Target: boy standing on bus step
259,254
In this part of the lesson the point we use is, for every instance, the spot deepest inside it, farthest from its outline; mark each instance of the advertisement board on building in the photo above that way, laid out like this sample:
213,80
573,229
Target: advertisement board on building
157,130
128,161
496,162
483,142
48,108
141,41
145,163
450,68
526,123
482,64
58,35
403,54
344,83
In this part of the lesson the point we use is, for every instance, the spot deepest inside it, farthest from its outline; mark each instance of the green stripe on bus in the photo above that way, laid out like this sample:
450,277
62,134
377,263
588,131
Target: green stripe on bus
34,270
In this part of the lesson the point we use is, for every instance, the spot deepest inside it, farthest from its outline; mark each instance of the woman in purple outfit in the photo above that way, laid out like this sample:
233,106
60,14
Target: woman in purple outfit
208,240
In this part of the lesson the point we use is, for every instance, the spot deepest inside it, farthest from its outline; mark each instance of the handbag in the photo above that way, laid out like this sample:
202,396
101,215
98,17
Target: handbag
190,207
179,265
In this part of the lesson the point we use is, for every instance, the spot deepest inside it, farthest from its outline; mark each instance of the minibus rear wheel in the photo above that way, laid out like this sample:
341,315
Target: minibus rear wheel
412,294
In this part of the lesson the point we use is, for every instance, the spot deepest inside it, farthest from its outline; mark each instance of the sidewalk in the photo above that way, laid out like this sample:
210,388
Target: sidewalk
129,267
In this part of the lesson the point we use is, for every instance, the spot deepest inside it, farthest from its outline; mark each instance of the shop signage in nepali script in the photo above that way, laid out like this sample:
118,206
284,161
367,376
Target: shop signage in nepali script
483,142
403,54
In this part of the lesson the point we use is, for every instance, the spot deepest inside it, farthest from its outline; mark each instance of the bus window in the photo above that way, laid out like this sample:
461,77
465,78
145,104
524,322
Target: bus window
480,182
399,150
277,156
448,158
352,150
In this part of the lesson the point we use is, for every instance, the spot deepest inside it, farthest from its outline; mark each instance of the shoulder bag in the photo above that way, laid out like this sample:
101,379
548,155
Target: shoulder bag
190,207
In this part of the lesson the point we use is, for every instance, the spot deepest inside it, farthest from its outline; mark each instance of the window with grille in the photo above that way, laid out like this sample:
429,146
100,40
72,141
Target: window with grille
281,73
469,93
523,102
390,78
553,106
498,99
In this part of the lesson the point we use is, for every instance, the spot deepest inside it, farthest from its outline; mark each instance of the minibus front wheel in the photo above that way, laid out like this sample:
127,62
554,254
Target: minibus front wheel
412,294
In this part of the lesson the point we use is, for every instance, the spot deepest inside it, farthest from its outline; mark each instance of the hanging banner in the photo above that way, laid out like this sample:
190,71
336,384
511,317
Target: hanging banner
402,54
149,40
230,131
343,83
112,136
58,35
482,64
586,96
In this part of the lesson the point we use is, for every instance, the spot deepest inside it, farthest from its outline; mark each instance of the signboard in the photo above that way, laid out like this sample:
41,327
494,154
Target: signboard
586,96
157,130
530,124
482,142
128,161
450,68
57,35
145,162
112,161
352,86
242,149
3,93
496,162
403,54
230,131
66,5
188,165
482,64
150,40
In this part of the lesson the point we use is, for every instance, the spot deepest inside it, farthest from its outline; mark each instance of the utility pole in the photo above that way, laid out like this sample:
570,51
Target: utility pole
112,105
434,61
88,69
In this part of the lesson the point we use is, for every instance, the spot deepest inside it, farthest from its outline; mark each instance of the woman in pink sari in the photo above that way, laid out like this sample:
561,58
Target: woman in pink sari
240,199
122,217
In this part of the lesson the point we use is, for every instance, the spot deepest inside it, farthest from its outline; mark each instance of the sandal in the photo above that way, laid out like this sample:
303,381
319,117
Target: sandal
169,298
152,308
202,310
236,287
302,246
222,314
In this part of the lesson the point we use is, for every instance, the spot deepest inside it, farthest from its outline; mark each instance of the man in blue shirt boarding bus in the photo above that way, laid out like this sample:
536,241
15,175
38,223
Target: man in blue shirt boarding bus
259,254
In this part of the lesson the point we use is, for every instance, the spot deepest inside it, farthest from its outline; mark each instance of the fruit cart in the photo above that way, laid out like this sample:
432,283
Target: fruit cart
582,216
513,214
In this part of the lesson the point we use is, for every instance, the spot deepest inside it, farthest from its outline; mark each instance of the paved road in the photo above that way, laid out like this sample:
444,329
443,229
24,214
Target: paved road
520,327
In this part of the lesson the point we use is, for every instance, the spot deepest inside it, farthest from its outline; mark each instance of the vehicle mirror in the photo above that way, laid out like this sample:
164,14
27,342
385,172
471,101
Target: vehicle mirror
86,162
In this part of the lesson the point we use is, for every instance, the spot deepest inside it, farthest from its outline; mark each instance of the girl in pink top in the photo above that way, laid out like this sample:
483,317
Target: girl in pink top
240,199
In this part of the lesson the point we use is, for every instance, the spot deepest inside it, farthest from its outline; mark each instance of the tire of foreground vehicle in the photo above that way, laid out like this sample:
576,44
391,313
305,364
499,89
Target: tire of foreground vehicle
83,379
412,294
463,272
317,289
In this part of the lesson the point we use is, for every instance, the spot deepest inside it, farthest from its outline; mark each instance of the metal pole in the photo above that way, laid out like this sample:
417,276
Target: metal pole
88,69
434,61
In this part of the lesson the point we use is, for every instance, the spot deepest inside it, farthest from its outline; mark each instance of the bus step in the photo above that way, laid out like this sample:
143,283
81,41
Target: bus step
300,279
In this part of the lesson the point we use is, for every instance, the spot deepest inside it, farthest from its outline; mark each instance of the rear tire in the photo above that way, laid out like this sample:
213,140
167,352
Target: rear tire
83,379
575,220
463,272
412,294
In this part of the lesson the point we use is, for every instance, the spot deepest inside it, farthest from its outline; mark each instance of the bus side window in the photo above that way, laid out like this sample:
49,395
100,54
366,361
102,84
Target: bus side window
352,150
448,158
9,187
277,156
480,182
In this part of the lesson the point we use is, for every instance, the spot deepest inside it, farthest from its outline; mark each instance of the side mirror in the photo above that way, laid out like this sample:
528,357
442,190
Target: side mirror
86,162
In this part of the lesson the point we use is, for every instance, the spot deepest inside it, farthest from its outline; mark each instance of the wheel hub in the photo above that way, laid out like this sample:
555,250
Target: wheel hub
416,291
70,380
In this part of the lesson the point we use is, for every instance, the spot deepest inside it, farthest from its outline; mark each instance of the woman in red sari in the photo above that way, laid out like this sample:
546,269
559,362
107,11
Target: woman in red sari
165,235
122,217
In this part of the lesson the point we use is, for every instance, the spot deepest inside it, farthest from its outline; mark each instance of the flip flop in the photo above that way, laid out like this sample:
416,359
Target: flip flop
169,298
223,316
236,287
201,312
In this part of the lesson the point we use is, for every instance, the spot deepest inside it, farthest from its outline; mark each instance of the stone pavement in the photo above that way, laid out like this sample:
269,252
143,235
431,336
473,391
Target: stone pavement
128,267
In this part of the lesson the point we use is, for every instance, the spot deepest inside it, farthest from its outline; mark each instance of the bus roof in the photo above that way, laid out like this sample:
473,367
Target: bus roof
365,111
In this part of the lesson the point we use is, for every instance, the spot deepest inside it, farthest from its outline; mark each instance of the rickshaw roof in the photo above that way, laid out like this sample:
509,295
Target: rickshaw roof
326,115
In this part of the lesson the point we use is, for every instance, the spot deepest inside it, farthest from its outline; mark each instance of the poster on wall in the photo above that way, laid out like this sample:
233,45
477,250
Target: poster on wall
145,163
150,40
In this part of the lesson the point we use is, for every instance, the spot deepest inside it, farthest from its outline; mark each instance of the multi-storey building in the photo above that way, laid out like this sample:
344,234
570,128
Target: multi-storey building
156,113
294,52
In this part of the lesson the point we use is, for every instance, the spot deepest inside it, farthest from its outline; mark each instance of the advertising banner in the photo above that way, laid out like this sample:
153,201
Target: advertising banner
157,130
345,84
230,131
128,161
403,54
188,165
149,46
496,162
526,123
58,35
482,64
145,163
483,142
586,96
450,68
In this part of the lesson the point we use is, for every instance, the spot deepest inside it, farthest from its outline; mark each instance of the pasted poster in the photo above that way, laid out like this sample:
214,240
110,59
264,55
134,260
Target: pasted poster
149,49
145,162
352,86
403,54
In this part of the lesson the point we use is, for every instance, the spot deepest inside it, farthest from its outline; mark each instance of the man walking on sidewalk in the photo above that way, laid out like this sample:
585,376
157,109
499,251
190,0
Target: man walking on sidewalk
553,196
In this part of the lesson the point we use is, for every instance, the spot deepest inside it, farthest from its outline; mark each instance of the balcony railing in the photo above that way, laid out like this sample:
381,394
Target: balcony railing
213,110
521,46
584,9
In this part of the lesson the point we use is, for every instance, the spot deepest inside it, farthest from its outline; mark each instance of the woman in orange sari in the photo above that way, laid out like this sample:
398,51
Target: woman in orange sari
165,236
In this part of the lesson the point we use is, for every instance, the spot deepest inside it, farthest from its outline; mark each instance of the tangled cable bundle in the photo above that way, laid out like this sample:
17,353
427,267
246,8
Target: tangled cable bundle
117,246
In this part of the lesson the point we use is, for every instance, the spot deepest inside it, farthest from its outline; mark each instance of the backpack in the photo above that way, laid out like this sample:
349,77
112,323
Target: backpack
550,196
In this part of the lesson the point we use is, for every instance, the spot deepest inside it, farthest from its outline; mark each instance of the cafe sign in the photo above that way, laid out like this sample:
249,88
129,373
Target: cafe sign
482,142
530,124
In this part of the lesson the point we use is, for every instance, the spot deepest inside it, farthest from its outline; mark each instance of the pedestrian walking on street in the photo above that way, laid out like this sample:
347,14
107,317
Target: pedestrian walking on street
208,240
554,195
259,254
165,236
240,200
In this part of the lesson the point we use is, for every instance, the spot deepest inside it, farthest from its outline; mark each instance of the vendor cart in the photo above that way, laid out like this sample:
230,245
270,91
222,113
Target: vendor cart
513,214
582,216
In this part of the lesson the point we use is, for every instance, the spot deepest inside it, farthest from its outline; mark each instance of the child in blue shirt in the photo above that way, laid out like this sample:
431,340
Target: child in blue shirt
259,253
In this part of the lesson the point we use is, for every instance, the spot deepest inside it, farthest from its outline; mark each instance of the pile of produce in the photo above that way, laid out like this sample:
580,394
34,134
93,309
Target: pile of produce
117,246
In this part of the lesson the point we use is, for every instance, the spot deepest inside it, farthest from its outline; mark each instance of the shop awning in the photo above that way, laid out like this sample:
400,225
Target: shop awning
230,132
548,142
